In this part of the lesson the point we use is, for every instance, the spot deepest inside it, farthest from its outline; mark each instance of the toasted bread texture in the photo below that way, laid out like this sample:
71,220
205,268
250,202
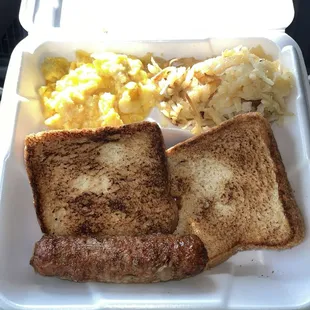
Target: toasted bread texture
233,191
106,181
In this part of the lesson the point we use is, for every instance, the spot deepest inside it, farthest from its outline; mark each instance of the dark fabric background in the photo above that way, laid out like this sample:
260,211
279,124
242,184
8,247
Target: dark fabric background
300,28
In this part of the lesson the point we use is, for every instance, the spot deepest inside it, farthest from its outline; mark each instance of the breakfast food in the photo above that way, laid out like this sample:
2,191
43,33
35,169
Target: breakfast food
143,259
106,181
96,90
233,191
109,89
212,91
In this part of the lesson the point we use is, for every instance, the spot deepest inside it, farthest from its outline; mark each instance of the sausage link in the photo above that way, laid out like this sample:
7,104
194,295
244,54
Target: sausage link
141,259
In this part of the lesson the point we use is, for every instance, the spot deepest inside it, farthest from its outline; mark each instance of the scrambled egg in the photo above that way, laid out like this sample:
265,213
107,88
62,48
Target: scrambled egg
96,90
109,89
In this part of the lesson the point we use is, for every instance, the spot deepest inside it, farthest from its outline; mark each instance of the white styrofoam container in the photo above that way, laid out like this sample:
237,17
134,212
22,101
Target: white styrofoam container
249,280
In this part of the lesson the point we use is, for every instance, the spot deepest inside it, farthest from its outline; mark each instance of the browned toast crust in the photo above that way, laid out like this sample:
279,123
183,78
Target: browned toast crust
286,195
127,176
180,185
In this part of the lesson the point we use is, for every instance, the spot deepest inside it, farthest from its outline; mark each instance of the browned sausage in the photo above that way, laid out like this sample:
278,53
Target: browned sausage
118,259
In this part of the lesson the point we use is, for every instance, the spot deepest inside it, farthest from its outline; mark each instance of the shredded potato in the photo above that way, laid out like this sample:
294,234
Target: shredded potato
240,80
109,89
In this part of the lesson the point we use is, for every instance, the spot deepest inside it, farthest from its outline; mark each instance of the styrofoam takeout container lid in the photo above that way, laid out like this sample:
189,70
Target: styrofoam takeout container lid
249,280
158,19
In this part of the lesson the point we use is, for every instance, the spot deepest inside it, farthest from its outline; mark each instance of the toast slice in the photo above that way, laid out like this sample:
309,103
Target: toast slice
232,189
106,181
